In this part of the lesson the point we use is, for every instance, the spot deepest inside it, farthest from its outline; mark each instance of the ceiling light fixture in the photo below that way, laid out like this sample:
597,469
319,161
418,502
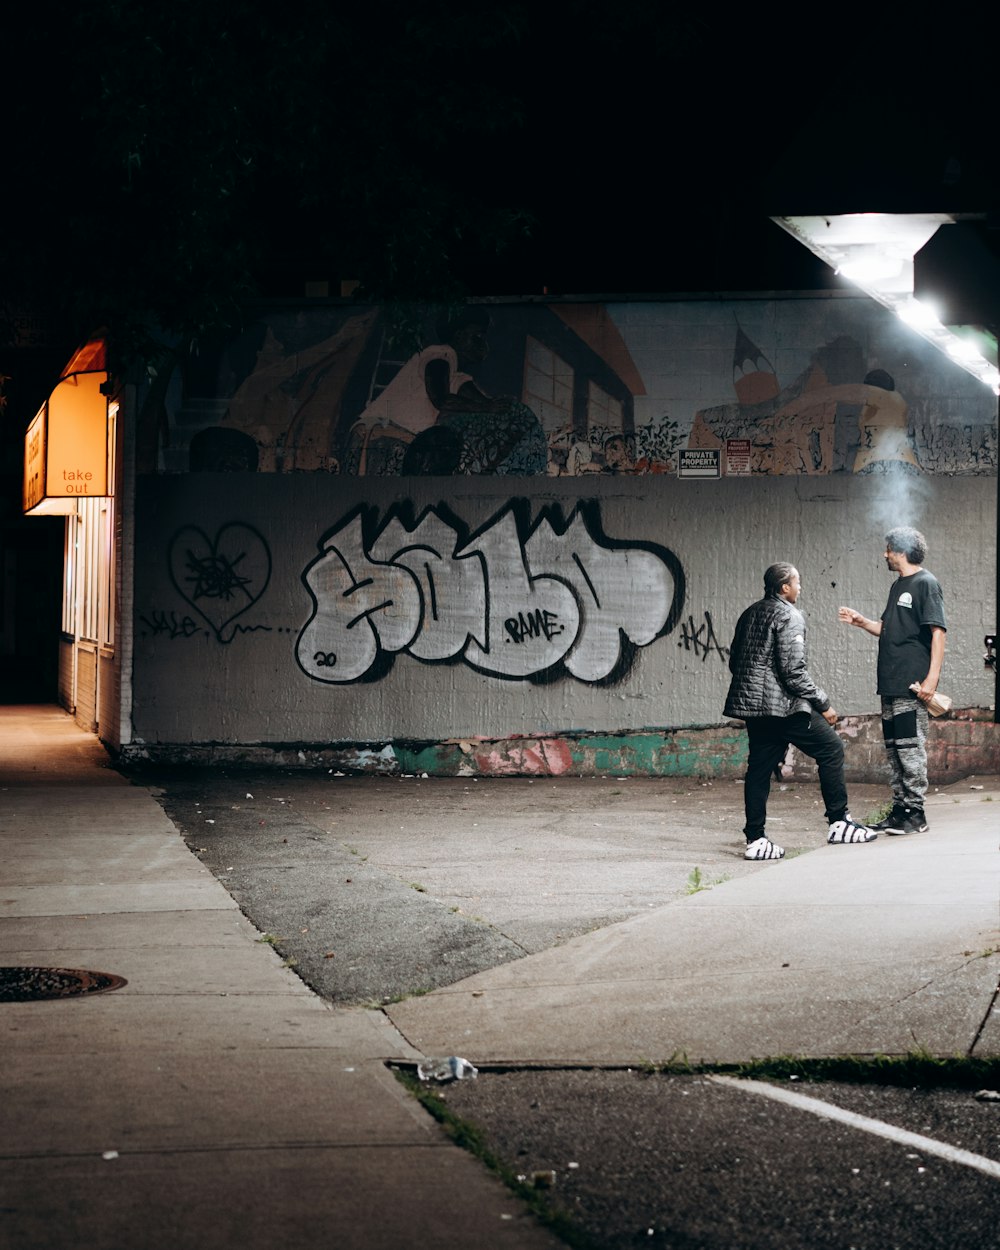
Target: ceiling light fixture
875,252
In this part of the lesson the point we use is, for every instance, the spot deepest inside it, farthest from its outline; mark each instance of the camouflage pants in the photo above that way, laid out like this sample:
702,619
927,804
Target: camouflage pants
904,730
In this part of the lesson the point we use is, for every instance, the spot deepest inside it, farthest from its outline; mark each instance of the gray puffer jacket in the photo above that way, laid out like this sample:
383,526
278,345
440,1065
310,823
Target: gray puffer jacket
768,663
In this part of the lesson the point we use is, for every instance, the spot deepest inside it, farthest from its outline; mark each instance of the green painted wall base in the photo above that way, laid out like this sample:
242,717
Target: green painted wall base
965,744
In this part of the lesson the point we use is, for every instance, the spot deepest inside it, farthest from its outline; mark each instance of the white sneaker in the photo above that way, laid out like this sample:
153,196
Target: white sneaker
847,831
763,848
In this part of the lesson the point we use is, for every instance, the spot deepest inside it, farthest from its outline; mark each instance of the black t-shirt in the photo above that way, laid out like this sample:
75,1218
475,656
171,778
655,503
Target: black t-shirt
915,606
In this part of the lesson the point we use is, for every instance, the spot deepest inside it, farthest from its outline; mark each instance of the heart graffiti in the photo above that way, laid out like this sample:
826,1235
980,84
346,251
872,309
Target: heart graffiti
220,577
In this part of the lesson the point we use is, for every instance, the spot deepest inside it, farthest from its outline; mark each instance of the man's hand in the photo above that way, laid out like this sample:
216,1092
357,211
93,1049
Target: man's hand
850,617
830,716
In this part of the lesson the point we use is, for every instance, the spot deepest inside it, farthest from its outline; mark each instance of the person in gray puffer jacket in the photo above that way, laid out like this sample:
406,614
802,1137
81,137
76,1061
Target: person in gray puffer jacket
774,693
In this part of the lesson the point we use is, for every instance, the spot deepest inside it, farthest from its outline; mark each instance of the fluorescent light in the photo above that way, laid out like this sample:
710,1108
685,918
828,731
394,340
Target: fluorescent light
873,266
961,349
875,251
917,312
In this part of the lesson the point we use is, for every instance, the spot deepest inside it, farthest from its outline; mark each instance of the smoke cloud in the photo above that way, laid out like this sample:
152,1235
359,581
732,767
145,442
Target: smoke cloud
903,498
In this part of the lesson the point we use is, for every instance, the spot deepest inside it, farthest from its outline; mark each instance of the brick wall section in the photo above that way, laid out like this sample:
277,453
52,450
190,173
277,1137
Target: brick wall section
963,744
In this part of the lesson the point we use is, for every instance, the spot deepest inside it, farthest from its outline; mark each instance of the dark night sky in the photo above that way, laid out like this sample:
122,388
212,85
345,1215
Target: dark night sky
662,174
647,144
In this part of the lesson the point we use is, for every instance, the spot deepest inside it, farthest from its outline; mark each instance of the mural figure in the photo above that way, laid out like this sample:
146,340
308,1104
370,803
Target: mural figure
882,422
614,452
570,456
754,378
619,456
512,600
816,425
434,418
289,401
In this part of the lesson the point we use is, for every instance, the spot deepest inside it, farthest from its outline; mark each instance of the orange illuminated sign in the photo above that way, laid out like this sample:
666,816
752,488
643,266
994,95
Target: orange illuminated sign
66,446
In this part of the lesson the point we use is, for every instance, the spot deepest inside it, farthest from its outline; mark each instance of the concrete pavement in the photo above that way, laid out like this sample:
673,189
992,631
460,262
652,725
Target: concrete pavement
885,948
213,1101
237,1108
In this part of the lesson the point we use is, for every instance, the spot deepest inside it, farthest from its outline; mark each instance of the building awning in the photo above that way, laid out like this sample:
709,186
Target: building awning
66,445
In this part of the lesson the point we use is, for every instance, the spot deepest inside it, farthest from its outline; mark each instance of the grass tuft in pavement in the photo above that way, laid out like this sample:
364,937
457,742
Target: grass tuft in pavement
915,1070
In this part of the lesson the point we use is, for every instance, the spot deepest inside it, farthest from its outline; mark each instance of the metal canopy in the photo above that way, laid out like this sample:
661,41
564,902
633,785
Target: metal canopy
875,251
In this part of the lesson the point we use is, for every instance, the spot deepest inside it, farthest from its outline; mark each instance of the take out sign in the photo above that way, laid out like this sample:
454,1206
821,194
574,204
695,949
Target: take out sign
66,446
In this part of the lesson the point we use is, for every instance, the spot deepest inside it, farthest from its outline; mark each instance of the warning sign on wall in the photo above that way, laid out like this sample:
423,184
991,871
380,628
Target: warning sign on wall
698,462
737,457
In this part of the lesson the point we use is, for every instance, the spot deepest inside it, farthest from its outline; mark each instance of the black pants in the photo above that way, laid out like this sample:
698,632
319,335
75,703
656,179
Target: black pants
769,738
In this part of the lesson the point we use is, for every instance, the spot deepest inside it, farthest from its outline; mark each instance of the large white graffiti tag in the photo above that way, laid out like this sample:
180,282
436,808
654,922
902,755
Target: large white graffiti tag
513,600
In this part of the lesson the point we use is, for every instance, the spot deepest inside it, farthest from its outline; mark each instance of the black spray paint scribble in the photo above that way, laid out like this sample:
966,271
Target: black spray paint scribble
701,639
221,577
158,624
515,599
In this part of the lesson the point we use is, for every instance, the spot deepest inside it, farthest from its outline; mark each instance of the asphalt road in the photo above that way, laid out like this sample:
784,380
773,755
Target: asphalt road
378,888
638,1159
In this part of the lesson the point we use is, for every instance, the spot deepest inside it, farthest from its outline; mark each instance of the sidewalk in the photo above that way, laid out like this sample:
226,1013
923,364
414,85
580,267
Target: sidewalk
888,948
214,1101
241,1110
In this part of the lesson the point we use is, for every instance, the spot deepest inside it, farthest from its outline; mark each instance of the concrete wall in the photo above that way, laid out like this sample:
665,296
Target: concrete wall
499,555
228,627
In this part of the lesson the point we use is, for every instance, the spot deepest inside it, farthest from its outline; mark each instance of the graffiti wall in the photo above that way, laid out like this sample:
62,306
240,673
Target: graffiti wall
541,519
522,597
803,387
316,608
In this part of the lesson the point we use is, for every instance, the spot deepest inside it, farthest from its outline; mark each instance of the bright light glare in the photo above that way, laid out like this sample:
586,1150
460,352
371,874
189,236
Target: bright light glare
961,349
919,313
871,268
875,251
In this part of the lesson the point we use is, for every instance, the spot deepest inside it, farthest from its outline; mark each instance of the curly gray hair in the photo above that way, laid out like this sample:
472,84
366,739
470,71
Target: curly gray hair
908,542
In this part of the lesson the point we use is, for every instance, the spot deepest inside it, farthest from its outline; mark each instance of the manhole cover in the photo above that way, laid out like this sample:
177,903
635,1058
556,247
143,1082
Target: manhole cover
23,985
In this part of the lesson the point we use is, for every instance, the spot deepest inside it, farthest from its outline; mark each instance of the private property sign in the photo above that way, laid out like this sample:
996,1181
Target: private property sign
738,457
698,462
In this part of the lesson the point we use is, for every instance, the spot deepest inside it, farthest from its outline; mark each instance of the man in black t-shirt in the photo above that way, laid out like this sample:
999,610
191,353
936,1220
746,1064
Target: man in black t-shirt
911,637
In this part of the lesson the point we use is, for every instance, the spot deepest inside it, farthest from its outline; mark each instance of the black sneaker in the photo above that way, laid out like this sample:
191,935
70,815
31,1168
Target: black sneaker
893,823
914,821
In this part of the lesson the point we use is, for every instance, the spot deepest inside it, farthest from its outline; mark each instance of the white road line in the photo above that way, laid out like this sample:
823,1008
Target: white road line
926,1145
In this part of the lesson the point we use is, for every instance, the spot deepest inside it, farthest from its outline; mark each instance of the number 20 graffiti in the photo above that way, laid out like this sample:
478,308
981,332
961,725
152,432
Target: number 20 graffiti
515,599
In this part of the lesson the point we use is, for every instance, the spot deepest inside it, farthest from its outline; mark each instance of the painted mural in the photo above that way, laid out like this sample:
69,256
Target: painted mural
804,386
814,424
